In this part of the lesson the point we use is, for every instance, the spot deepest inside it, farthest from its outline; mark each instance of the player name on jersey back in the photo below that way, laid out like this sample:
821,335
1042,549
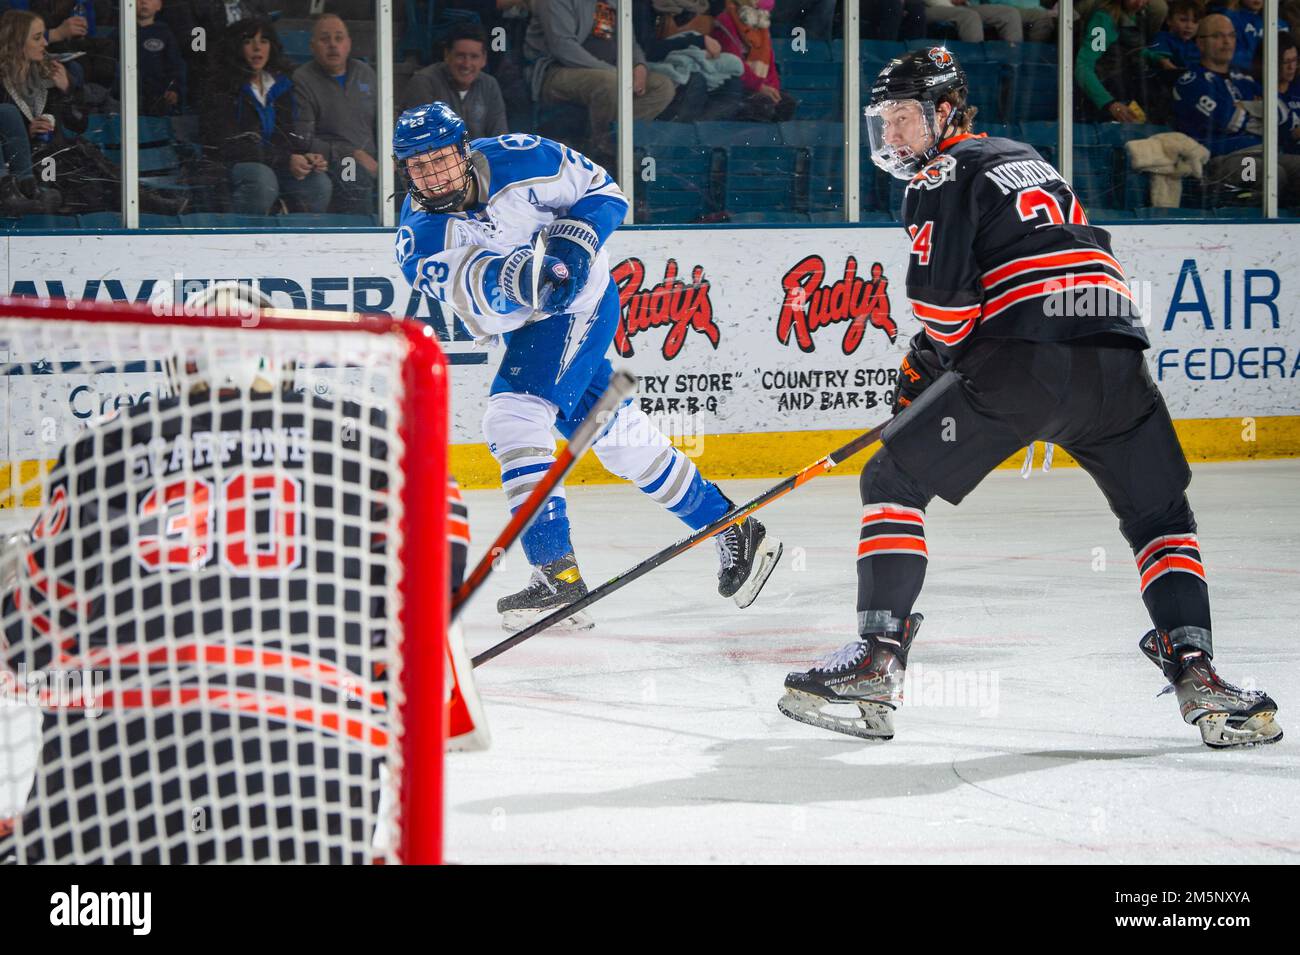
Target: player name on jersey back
1013,176
201,448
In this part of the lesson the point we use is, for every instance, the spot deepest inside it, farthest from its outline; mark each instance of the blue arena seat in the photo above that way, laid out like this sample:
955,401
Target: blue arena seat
738,134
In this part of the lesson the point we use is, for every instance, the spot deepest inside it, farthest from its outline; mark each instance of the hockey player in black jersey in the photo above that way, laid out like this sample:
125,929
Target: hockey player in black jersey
1028,332
219,559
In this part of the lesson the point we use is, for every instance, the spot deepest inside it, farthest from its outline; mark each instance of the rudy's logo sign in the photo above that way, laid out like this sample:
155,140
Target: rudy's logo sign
133,909
809,305
672,302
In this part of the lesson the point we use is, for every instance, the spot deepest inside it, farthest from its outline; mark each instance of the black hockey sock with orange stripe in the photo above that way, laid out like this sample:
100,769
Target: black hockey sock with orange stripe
892,555
1172,579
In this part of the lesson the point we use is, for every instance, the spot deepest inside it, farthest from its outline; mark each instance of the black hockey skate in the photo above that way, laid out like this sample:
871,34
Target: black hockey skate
553,586
1225,714
866,675
746,558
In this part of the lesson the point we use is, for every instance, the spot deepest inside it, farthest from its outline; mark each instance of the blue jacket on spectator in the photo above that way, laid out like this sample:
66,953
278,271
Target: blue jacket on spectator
1183,53
160,67
1205,109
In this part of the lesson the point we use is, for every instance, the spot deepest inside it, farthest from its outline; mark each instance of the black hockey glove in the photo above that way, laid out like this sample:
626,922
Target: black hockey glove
921,366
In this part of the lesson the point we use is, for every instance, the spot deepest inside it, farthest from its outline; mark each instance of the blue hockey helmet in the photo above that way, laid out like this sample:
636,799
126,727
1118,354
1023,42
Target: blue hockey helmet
428,129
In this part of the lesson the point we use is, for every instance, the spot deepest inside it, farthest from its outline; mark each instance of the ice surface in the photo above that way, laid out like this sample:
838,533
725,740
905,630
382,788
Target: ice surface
656,738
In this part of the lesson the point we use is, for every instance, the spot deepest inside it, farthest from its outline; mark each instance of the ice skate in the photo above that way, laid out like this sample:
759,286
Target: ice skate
1225,714
746,558
553,586
865,676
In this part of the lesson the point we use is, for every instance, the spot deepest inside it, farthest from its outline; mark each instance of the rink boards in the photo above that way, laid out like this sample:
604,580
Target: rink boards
759,349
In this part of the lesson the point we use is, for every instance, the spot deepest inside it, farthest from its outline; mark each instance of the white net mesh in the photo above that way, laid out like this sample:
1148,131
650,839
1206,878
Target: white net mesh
200,645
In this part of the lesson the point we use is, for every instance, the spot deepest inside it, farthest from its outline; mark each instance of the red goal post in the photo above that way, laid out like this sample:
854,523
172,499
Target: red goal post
339,363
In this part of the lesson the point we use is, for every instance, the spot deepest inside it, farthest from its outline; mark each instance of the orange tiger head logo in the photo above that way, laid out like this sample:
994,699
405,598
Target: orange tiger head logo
941,58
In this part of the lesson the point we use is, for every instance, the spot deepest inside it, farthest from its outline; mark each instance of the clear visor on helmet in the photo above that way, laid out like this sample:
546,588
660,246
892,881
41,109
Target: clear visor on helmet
440,173
900,132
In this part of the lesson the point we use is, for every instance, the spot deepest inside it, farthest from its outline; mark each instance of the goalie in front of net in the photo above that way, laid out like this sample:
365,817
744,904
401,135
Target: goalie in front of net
218,560
1028,332
509,232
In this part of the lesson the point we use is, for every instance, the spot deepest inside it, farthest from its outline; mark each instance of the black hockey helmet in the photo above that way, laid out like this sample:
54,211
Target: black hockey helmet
923,77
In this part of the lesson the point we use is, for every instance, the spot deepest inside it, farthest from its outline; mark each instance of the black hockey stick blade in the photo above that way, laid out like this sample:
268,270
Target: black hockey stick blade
739,513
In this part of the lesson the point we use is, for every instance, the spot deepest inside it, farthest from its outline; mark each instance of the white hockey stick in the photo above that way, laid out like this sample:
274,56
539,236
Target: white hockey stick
539,254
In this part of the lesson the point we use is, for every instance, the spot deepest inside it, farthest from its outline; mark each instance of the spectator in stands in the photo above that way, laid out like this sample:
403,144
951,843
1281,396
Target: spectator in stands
1175,45
337,107
1248,21
505,22
892,19
41,90
210,18
1037,23
1288,90
33,102
249,121
1150,19
1109,68
19,194
676,38
571,49
743,30
815,17
82,27
971,17
1212,105
159,63
459,81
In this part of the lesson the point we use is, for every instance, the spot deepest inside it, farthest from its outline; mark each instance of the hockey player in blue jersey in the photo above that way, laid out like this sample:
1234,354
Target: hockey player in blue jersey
468,237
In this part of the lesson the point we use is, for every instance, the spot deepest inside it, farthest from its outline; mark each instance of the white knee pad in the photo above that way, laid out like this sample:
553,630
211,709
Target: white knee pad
518,431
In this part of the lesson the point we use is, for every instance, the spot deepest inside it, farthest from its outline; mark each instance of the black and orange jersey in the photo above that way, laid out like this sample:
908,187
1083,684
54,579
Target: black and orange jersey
1001,248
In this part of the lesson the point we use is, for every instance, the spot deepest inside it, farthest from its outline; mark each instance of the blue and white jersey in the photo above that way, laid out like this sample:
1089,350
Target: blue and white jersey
525,183
1205,107
1291,100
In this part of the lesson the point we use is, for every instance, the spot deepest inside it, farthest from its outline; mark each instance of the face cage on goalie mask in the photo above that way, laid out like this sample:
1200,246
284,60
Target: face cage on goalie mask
899,159
450,201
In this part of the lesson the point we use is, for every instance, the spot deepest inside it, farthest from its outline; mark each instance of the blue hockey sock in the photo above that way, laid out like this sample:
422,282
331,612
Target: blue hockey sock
681,488
548,538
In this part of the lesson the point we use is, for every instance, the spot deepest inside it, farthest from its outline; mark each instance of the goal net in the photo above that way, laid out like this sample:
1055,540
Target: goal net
223,586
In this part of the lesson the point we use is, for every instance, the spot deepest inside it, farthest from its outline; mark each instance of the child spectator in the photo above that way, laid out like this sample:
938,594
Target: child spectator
743,29
249,120
1174,48
459,81
161,69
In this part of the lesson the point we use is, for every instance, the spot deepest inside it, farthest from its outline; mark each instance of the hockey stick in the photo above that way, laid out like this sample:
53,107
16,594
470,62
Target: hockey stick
621,385
539,256
816,469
